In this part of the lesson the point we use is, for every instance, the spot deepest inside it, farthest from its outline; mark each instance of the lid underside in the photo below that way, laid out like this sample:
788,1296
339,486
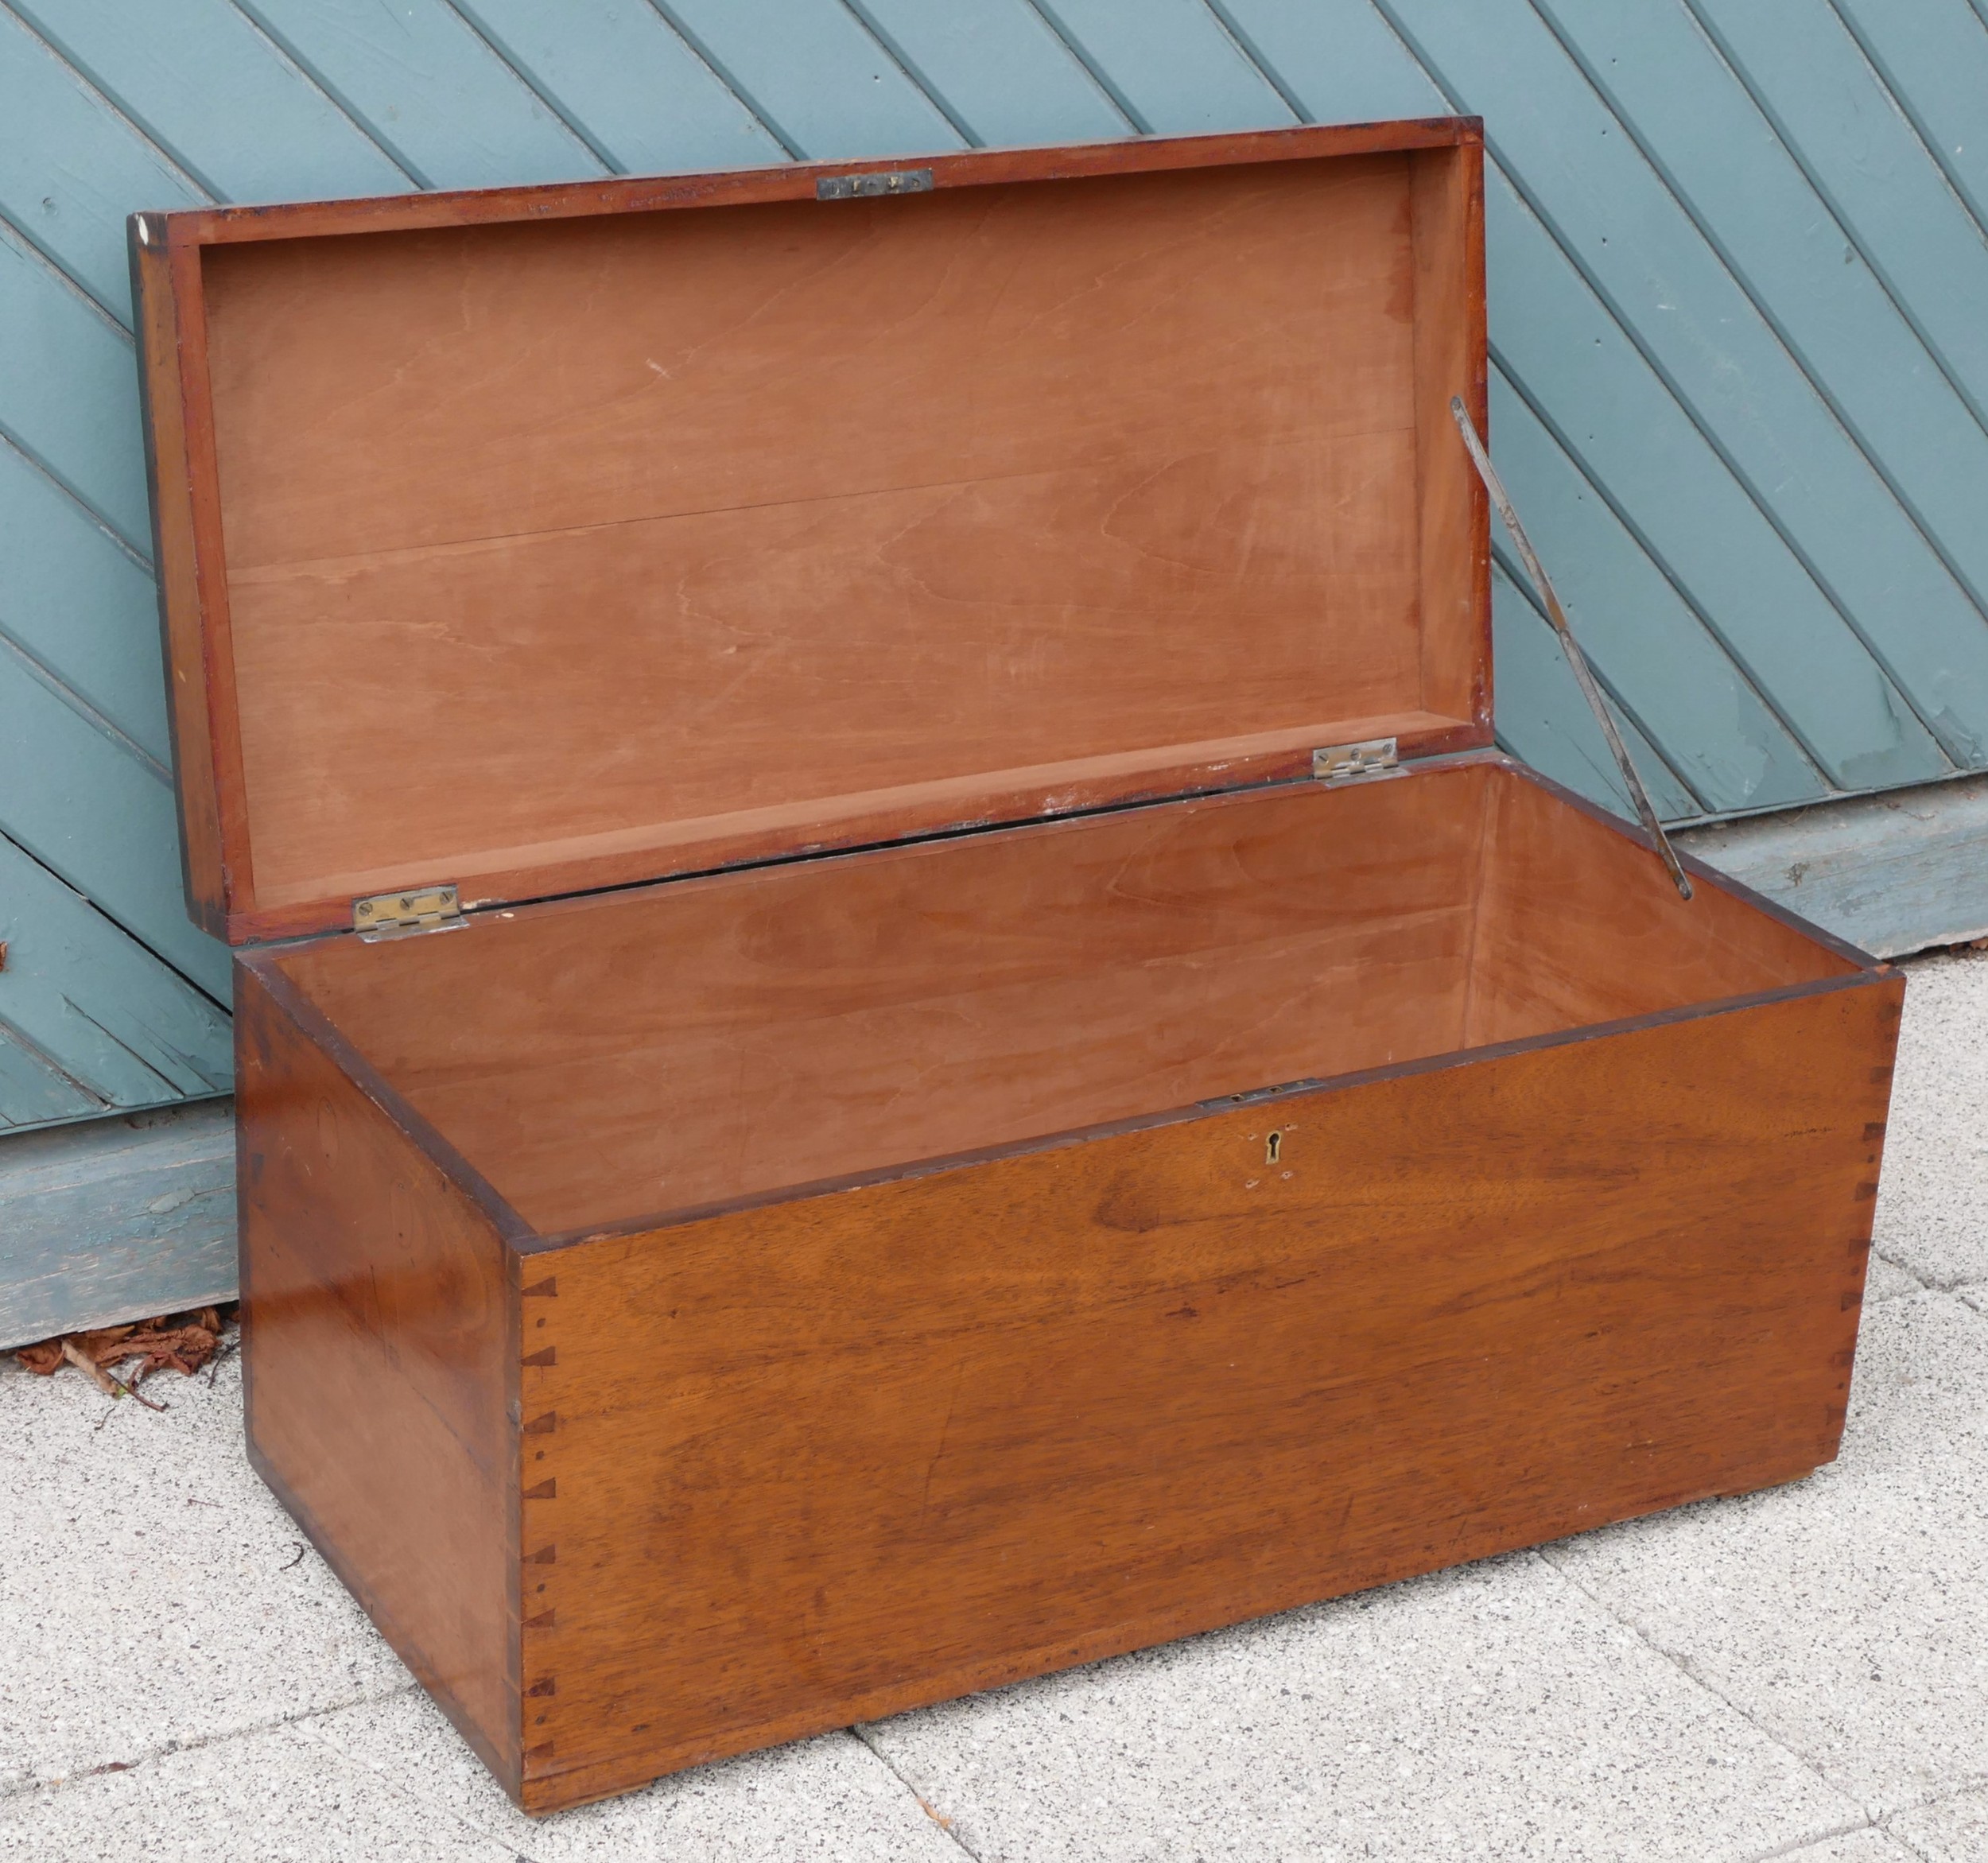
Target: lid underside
563,554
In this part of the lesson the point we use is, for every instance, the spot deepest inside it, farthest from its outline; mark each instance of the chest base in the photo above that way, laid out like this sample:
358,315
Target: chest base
693,1318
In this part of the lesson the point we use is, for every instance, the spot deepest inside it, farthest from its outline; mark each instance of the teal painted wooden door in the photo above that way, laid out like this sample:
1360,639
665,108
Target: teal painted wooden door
1740,365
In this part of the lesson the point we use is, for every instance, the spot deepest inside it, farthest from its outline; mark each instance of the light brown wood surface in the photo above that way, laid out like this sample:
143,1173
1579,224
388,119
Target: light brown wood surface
175,454
570,552
1577,923
1452,358
716,1039
828,1459
379,1340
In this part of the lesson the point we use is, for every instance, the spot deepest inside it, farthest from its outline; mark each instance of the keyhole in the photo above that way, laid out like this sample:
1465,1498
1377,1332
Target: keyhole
1272,1148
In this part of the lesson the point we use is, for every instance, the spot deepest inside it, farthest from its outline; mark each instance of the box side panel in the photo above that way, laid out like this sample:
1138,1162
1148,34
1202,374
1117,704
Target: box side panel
1447,198
826,1460
378,1313
1578,923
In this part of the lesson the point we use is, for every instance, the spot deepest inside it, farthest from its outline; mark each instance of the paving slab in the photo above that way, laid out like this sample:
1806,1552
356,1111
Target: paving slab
1843,1614
1492,1712
151,1590
821,1801
1951,1830
1932,1199
274,1797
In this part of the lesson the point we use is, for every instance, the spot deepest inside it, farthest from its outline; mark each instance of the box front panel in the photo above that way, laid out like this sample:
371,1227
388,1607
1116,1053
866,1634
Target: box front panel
824,1460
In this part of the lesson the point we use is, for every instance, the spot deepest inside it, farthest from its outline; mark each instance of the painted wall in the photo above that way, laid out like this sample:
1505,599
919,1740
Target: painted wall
1737,273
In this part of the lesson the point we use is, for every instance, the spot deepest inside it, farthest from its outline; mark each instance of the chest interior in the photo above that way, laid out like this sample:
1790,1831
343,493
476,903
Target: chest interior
604,1061
560,555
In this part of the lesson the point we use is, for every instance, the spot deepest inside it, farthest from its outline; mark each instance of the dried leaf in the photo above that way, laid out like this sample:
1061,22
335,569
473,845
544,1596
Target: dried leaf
186,1341
100,1344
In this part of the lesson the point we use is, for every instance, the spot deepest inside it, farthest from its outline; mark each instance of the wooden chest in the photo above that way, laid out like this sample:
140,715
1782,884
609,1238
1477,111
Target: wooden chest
949,1126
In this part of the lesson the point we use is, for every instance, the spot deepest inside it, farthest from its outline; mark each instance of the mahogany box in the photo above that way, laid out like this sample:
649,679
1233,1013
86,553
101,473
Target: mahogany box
897,1024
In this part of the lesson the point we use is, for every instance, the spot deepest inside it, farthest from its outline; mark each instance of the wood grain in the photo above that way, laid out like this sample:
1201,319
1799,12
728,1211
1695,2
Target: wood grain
379,1314
866,818
829,1459
1578,923
1451,359
174,483
1122,464
388,393
718,1038
666,540
712,1039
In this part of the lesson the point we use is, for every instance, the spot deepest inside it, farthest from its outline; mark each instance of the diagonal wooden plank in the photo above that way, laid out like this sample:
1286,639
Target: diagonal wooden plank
1338,59
80,603
428,89
1547,724
814,75
68,391
1345,62
34,1091
71,168
1933,58
1614,416
1677,331
213,90
616,68
104,821
1874,471
1866,160
1002,72
1641,636
1172,62
80,993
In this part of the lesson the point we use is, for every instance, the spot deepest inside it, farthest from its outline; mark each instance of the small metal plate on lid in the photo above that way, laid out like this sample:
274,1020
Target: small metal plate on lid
863,187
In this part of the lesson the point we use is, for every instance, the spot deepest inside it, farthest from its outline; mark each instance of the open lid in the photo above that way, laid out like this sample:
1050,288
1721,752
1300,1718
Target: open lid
550,538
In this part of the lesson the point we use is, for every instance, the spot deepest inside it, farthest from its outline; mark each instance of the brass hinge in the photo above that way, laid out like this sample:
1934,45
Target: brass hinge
1341,763
399,915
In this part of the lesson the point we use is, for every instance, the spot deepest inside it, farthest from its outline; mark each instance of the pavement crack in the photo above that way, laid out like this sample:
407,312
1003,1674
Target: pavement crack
1542,1554
1905,1843
861,1736
1796,1846
168,1749
397,1787
1906,1269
